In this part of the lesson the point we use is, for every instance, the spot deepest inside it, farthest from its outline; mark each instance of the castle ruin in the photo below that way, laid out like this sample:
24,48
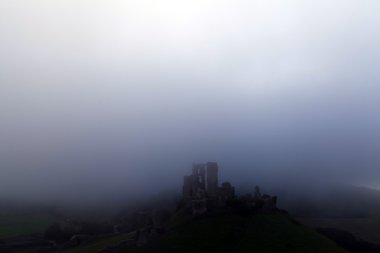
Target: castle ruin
201,189
203,183
201,192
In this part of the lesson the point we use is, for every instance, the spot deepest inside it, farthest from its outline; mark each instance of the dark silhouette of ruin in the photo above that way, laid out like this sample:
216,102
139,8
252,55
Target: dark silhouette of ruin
203,183
201,192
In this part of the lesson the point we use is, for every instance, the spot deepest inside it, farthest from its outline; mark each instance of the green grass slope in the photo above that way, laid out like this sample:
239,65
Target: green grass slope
93,247
15,225
262,233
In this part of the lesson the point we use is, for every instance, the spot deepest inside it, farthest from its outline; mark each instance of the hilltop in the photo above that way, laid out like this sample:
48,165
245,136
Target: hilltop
233,232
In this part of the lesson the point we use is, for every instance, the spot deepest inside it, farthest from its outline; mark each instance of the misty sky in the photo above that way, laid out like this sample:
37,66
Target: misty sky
109,96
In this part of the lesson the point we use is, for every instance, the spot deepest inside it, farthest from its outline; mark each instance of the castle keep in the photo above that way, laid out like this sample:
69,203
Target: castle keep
203,182
201,192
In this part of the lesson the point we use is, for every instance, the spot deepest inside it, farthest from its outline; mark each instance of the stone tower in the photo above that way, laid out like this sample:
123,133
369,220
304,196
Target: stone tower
199,176
212,179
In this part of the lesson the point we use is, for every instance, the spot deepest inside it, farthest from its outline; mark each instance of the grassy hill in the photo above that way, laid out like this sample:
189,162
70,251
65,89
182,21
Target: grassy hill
235,233
16,225
99,244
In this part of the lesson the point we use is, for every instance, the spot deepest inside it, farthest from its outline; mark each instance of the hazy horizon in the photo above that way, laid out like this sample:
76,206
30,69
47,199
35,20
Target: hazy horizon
101,99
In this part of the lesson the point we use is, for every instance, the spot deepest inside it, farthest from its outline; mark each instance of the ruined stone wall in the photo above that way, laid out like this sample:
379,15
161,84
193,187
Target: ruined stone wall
199,176
202,182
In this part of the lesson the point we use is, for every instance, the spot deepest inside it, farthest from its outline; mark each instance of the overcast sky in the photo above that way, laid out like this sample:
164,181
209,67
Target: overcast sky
108,96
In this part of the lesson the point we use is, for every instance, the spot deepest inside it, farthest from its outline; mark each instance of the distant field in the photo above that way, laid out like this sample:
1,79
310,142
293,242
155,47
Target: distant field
15,225
367,229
